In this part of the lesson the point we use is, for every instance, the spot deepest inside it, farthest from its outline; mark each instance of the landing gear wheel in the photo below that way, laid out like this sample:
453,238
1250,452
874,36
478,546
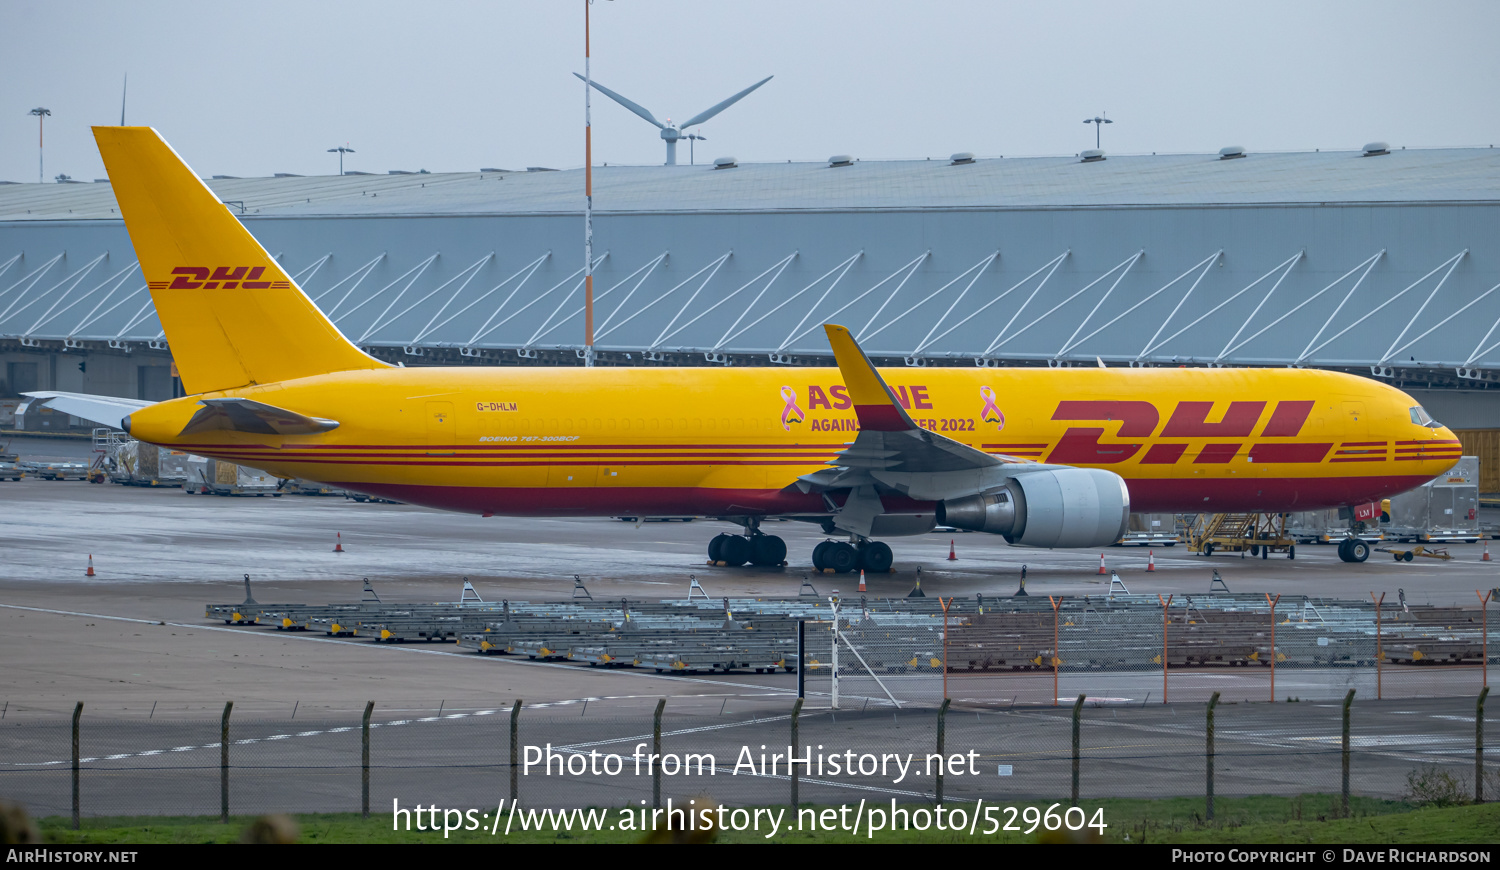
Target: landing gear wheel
876,557
841,557
734,551
716,547
767,550
1344,550
1358,550
820,552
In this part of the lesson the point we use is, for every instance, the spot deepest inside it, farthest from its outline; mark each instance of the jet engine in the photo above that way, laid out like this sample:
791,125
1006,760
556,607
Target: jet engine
1057,508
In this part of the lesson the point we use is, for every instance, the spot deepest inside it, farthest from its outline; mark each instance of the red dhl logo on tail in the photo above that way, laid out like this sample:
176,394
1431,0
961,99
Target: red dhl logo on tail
219,277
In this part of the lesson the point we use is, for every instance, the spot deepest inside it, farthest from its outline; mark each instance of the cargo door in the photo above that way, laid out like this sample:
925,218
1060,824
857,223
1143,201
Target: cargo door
1444,509
1463,479
1466,507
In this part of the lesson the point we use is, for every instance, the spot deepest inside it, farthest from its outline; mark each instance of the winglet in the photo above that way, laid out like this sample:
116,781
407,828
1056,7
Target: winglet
874,403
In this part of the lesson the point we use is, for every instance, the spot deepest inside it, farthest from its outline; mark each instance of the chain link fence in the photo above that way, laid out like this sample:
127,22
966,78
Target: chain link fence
996,650
1142,649
482,757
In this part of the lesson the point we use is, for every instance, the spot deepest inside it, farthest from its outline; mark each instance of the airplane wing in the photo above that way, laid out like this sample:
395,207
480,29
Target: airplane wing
244,415
104,410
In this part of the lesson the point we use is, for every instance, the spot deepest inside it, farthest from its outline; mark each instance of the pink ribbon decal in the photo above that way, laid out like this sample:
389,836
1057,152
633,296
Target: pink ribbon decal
790,412
991,412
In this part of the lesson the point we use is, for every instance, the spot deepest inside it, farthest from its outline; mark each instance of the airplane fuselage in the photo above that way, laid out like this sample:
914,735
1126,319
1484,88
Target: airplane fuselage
729,442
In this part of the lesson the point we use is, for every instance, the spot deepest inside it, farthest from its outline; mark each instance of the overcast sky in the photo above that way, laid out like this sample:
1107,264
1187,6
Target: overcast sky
261,87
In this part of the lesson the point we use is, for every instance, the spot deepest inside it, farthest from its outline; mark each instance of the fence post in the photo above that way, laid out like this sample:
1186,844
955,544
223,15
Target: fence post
515,752
1344,785
942,741
945,644
833,670
1166,605
1056,657
1272,604
801,658
1208,754
661,704
1479,746
796,715
1484,635
77,712
1077,716
224,763
364,762
1379,646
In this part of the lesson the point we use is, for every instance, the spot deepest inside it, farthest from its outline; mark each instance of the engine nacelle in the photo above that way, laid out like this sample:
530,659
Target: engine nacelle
1059,508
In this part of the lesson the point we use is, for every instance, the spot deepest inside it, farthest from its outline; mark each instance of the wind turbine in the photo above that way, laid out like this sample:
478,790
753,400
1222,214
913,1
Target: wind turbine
671,133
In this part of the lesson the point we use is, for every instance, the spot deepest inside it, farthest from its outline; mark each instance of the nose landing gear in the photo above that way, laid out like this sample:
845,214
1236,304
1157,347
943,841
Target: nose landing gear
1354,550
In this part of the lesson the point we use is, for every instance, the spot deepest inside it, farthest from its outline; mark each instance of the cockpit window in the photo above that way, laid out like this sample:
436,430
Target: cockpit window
1421,417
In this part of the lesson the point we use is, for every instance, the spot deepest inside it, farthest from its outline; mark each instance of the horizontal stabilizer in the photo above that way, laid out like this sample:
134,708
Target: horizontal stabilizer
258,418
104,410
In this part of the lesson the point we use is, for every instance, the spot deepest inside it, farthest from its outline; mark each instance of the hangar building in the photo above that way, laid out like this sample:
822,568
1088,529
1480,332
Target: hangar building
1376,261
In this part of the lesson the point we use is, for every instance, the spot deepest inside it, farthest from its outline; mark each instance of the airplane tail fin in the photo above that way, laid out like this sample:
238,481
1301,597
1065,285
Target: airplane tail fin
231,315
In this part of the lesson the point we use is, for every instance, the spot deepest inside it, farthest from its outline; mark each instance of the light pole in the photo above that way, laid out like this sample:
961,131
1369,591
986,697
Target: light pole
41,115
588,199
341,151
1098,121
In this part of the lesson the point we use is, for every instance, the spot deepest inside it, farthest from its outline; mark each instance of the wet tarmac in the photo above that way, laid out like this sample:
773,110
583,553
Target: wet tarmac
160,555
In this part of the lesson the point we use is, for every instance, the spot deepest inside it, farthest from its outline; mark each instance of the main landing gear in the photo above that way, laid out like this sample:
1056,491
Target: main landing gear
755,548
842,557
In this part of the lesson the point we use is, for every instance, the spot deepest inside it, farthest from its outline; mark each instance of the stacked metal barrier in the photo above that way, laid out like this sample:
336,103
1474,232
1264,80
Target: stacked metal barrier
899,650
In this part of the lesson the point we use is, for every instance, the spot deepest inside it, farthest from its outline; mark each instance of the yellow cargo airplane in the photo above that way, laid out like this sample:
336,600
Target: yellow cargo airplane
1047,457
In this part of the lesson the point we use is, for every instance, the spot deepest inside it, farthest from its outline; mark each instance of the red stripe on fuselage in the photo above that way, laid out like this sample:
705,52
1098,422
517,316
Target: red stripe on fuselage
551,445
1146,496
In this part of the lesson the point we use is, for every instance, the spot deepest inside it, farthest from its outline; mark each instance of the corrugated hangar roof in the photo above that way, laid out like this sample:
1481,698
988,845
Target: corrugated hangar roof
1424,175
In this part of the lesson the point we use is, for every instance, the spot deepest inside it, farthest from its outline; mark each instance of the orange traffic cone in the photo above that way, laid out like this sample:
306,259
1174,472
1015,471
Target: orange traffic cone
339,547
90,571
1150,561
1101,564
862,580
1486,556
952,556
